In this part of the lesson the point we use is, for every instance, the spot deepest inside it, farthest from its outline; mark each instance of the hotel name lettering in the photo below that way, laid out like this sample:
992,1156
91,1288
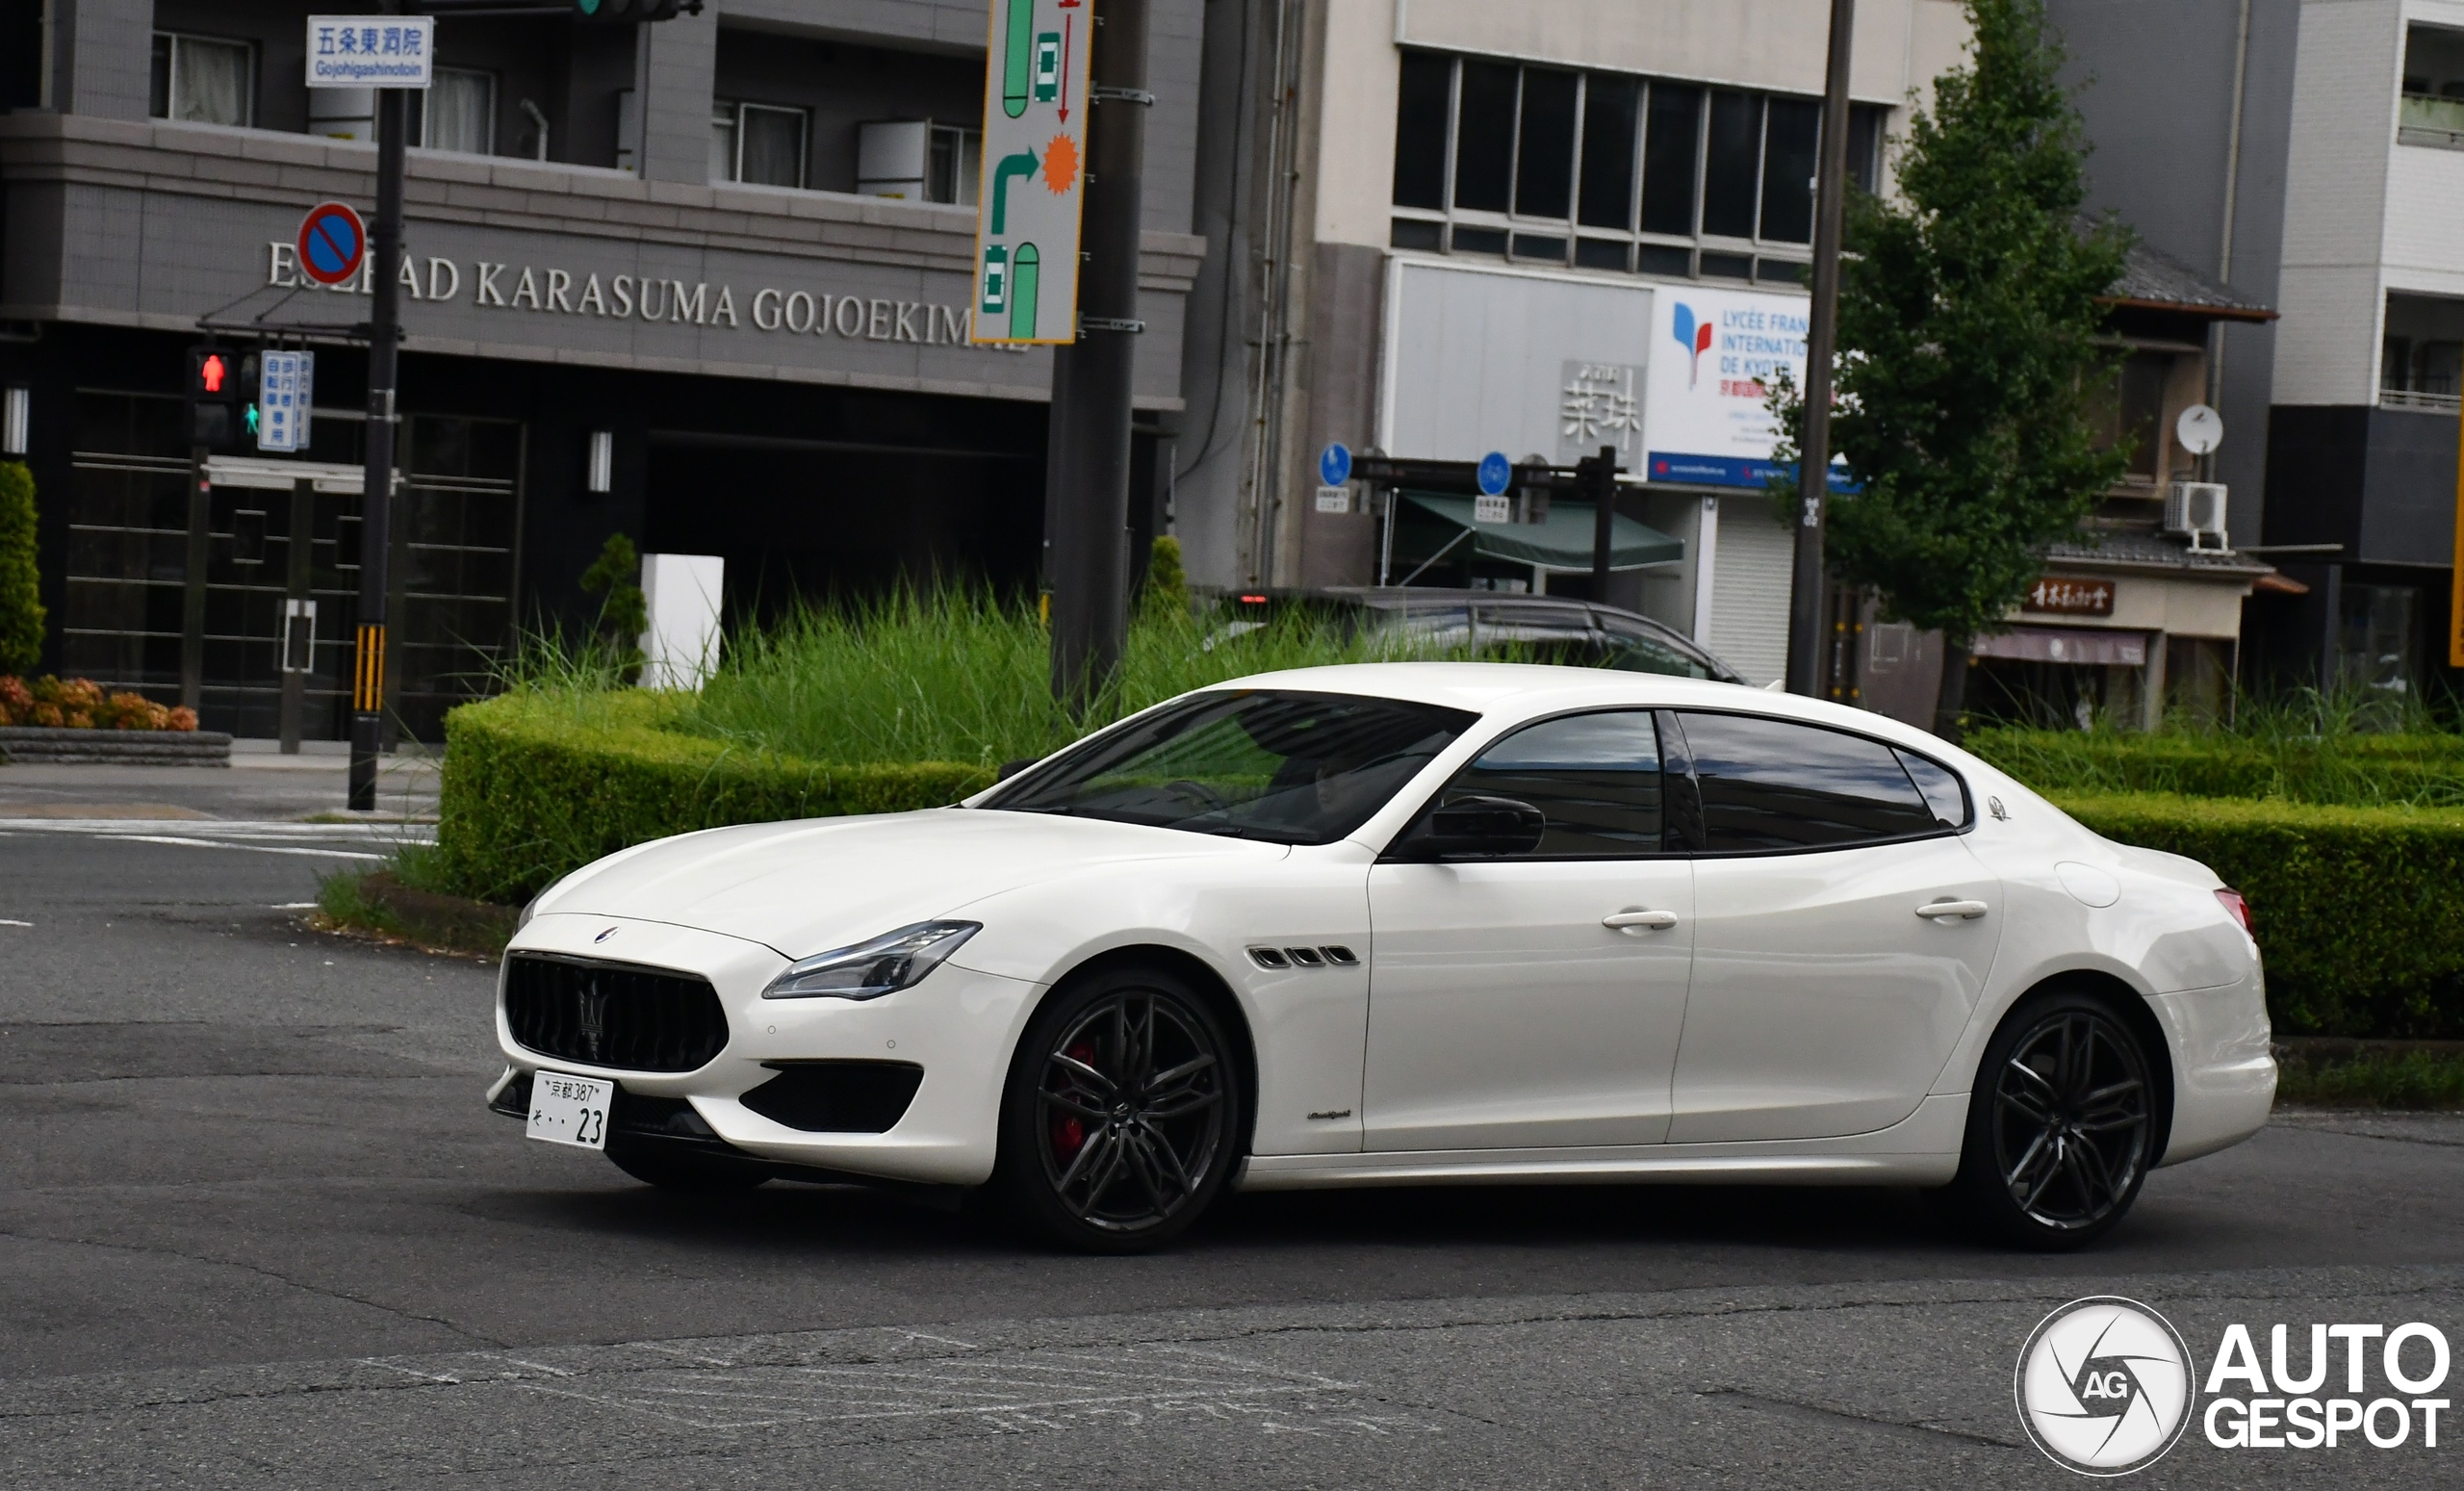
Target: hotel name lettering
644,298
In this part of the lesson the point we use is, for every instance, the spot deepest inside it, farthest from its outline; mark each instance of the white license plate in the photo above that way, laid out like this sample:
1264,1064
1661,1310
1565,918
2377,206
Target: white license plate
570,1110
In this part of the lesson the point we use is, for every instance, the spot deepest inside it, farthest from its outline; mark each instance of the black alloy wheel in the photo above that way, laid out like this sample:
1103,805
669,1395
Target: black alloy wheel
1123,1115
2061,1125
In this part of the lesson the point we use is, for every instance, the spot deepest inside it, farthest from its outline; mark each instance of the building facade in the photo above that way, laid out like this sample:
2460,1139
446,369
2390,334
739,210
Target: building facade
733,250
2310,154
1441,229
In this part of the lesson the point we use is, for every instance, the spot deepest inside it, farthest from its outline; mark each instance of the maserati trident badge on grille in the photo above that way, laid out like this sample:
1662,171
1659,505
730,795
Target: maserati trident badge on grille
593,1018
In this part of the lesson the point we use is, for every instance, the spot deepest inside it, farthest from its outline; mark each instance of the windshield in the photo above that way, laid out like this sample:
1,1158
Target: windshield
1288,768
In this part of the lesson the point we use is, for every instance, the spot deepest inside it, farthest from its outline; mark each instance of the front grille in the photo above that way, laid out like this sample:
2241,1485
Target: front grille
609,1014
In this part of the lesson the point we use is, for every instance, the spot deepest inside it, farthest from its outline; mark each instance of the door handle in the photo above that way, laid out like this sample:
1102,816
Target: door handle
1635,923
1937,911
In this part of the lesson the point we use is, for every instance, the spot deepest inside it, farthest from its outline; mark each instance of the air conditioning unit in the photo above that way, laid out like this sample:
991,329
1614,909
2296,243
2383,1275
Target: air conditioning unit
2195,509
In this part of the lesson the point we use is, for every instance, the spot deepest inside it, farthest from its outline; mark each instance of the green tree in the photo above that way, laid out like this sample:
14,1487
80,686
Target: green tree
624,611
1968,363
21,613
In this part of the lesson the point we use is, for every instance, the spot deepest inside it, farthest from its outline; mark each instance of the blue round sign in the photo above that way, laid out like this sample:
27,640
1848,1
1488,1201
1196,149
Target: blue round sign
1334,464
1496,471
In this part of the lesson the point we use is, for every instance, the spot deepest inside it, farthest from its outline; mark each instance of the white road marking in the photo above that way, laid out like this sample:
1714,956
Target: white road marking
209,843
9,921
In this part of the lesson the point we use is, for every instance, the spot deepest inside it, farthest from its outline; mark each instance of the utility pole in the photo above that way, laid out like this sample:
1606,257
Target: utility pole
377,488
1092,376
1806,609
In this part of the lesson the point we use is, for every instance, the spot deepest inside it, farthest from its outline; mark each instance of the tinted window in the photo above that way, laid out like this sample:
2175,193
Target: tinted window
1670,142
1595,777
1608,107
1772,784
1484,143
1289,768
1420,129
1728,177
1943,792
1543,166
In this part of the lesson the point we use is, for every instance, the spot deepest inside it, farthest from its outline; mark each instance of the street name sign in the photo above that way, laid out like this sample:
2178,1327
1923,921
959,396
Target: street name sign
1034,154
372,51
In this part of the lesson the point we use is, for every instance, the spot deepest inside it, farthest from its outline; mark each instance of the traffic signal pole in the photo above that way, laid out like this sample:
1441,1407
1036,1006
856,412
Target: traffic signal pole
1093,377
376,489
1806,612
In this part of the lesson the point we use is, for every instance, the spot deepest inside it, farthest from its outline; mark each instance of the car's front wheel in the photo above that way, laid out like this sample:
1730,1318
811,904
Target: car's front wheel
2061,1125
1121,1119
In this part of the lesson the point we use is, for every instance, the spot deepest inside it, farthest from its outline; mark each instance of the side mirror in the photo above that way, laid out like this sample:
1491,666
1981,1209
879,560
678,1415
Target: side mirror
1470,828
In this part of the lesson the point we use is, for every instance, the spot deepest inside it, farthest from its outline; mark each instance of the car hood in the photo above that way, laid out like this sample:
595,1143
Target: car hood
806,886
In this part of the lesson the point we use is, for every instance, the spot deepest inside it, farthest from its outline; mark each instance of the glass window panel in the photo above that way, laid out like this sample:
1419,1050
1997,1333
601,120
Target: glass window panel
1484,141
1420,129
1608,107
1730,168
158,95
957,165
1787,170
1727,265
209,81
1663,259
1864,145
1670,144
1540,245
773,148
1479,240
1772,784
1944,792
1545,157
461,112
1595,778
723,143
1414,233
1600,253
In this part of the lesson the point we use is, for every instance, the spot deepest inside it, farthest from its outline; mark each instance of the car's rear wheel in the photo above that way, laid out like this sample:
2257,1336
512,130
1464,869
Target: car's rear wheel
695,1174
2061,1125
1123,1115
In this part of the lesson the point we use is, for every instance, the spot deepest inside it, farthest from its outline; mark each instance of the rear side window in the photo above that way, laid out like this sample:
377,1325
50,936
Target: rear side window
1942,788
1773,784
1596,778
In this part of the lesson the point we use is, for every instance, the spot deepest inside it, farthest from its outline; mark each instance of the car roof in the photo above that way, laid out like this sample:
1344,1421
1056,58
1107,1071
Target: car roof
1515,690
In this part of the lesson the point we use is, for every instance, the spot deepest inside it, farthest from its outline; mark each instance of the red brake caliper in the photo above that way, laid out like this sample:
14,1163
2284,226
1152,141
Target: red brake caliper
1068,1133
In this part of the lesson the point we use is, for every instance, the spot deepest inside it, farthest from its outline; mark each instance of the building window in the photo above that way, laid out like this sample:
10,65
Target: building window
1609,172
759,144
199,80
2133,409
459,113
2431,111
957,165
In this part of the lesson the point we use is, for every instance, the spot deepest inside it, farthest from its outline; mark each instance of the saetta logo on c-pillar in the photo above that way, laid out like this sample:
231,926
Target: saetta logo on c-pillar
1695,339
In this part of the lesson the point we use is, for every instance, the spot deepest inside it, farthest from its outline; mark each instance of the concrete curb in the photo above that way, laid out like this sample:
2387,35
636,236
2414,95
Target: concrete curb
28,744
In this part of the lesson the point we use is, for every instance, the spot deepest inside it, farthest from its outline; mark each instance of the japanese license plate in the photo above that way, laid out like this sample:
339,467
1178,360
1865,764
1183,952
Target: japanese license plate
570,1110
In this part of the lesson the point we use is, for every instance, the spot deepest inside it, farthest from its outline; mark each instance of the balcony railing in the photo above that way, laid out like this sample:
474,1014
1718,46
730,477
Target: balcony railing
2420,403
2424,120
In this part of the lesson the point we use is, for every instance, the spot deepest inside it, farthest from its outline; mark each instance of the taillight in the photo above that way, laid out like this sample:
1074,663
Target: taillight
2240,909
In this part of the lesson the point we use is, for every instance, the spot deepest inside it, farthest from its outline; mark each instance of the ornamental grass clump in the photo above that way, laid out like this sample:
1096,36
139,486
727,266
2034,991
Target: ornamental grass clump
82,704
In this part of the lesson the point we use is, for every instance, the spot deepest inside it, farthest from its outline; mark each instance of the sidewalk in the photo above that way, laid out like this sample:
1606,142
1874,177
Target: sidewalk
260,784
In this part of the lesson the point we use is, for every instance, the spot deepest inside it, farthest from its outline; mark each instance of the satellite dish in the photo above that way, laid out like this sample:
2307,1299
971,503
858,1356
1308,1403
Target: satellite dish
2200,429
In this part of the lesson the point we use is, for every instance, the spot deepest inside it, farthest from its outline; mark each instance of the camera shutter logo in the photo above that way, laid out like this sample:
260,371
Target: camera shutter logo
2104,1386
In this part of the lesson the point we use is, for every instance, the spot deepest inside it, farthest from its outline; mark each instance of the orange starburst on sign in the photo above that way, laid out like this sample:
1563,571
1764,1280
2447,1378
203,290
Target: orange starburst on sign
1060,163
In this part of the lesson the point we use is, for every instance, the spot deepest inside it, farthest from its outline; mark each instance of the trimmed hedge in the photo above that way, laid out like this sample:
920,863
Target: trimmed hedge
2417,769
2357,908
538,784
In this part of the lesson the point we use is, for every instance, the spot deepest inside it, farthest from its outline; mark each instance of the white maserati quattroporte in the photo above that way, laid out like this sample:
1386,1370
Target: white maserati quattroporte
1410,923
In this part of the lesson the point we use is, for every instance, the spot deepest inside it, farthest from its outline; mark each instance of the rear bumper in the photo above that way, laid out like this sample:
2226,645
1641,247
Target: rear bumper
2225,1081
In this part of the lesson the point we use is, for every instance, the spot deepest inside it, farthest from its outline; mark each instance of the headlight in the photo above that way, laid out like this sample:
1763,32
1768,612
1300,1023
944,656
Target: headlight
869,970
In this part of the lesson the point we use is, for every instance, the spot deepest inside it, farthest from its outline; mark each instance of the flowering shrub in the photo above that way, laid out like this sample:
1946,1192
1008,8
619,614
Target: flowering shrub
80,704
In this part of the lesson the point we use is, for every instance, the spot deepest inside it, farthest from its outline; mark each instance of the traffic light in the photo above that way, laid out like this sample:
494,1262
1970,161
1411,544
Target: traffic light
215,399
631,13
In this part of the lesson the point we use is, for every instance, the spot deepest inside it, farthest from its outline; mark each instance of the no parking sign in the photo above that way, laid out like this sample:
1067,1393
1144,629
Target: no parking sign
333,242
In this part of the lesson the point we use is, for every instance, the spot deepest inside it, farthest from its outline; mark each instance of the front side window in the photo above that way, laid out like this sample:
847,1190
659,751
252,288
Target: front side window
1282,767
1595,778
1774,785
200,80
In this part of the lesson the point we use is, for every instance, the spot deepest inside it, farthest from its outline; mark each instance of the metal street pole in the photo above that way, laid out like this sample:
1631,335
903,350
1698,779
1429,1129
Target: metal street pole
1092,376
1806,608
377,490
1600,474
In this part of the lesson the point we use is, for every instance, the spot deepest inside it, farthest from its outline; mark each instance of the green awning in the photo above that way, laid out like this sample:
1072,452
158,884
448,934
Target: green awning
1563,543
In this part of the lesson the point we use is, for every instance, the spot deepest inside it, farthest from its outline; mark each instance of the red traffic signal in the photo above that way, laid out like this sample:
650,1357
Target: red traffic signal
216,398
210,370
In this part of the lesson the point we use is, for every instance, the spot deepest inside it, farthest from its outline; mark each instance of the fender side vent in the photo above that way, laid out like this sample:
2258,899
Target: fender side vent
1268,958
1339,957
1306,956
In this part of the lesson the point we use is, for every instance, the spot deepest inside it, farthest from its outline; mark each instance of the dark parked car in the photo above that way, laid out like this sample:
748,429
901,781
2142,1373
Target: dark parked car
1541,628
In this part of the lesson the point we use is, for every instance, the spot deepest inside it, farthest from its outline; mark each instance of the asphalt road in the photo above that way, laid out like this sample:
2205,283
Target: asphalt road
257,1229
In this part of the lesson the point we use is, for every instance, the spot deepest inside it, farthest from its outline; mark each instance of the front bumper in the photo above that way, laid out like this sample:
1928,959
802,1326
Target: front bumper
958,1026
